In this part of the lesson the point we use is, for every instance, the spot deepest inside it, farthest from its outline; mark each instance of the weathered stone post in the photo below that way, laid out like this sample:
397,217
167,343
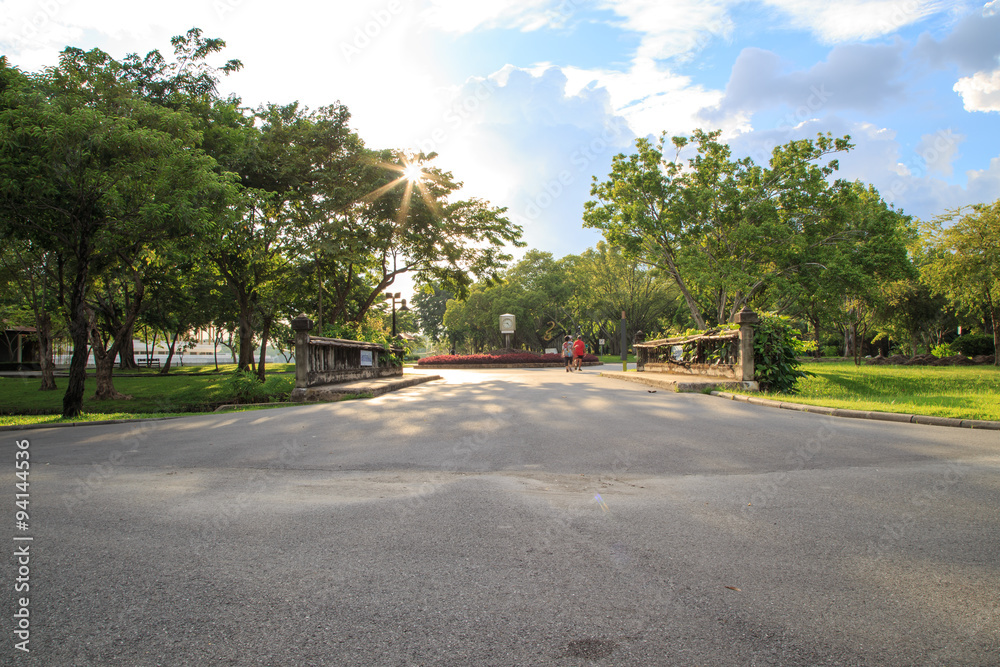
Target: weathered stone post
640,352
746,318
301,325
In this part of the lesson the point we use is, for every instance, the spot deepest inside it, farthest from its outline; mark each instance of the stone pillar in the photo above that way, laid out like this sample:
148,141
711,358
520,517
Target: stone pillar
746,318
301,325
640,352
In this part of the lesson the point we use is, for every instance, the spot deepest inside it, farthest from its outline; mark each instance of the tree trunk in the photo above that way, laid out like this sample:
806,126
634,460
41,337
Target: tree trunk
995,317
215,350
104,362
319,298
79,332
170,354
245,361
43,323
265,332
814,320
104,359
688,298
105,366
126,358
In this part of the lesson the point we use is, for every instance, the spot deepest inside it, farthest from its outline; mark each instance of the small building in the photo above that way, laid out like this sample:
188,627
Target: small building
19,349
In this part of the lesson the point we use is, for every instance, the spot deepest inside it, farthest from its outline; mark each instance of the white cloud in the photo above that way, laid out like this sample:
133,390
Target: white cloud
651,98
981,91
463,16
520,139
858,76
984,184
904,177
849,20
939,151
673,27
973,44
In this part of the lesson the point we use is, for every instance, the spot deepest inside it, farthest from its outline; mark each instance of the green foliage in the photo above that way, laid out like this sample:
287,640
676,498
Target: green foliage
725,230
965,261
777,346
158,196
973,345
551,298
943,350
430,303
371,329
831,351
246,387
91,170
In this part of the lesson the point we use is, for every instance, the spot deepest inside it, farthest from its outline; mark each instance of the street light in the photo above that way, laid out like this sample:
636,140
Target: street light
402,308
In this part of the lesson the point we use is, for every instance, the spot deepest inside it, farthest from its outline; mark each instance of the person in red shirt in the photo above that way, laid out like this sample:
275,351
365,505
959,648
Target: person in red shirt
579,349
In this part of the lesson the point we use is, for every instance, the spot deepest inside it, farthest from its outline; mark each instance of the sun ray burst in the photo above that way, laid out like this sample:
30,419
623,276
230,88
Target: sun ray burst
412,175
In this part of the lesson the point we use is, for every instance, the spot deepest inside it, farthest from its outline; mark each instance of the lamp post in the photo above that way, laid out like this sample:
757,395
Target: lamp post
402,308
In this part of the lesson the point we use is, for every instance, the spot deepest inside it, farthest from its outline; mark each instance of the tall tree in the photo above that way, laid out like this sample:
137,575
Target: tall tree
288,167
966,266
90,167
430,303
724,230
33,273
403,221
607,283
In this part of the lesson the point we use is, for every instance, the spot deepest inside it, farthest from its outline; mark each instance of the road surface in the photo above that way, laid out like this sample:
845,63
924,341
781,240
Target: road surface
508,517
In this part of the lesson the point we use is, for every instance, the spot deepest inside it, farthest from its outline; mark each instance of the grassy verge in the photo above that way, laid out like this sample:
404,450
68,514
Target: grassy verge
152,396
200,369
963,392
615,358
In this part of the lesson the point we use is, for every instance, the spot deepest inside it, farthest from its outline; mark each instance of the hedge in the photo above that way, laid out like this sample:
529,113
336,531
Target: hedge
488,359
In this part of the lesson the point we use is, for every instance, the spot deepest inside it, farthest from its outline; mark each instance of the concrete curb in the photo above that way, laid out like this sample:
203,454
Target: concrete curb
897,417
32,427
374,387
679,384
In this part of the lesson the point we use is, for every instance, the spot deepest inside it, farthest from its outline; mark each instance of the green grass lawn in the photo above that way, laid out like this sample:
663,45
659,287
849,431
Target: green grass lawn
201,369
153,395
615,358
965,392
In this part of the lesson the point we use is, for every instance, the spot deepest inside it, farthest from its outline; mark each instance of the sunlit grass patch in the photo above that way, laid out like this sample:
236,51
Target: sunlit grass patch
963,392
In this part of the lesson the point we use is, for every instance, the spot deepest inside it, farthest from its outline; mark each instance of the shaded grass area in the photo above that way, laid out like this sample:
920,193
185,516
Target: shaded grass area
200,369
615,358
963,392
152,396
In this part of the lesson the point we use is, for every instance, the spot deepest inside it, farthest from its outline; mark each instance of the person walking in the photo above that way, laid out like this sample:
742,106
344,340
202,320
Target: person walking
567,350
579,349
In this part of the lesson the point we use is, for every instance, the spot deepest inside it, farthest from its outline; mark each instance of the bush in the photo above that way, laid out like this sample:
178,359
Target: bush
776,349
517,358
973,345
245,387
943,350
831,351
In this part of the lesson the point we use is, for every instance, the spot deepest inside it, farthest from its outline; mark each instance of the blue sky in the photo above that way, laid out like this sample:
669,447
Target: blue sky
526,100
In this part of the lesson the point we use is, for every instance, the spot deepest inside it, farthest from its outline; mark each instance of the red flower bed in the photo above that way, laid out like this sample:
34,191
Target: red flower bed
487,359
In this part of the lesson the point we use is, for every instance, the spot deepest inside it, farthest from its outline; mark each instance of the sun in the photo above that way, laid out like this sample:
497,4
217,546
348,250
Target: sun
413,173
412,177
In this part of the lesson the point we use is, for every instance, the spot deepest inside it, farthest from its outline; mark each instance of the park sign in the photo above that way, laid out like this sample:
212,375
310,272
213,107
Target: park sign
507,324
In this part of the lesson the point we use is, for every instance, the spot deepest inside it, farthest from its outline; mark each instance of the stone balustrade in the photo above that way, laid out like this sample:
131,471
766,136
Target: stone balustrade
324,361
727,354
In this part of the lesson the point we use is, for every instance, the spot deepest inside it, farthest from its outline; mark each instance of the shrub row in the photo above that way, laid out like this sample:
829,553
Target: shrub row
487,359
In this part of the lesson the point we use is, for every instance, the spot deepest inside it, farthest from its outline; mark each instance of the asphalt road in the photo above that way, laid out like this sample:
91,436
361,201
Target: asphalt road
522,517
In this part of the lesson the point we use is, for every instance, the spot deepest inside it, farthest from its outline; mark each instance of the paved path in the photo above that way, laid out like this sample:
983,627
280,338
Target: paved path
528,517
